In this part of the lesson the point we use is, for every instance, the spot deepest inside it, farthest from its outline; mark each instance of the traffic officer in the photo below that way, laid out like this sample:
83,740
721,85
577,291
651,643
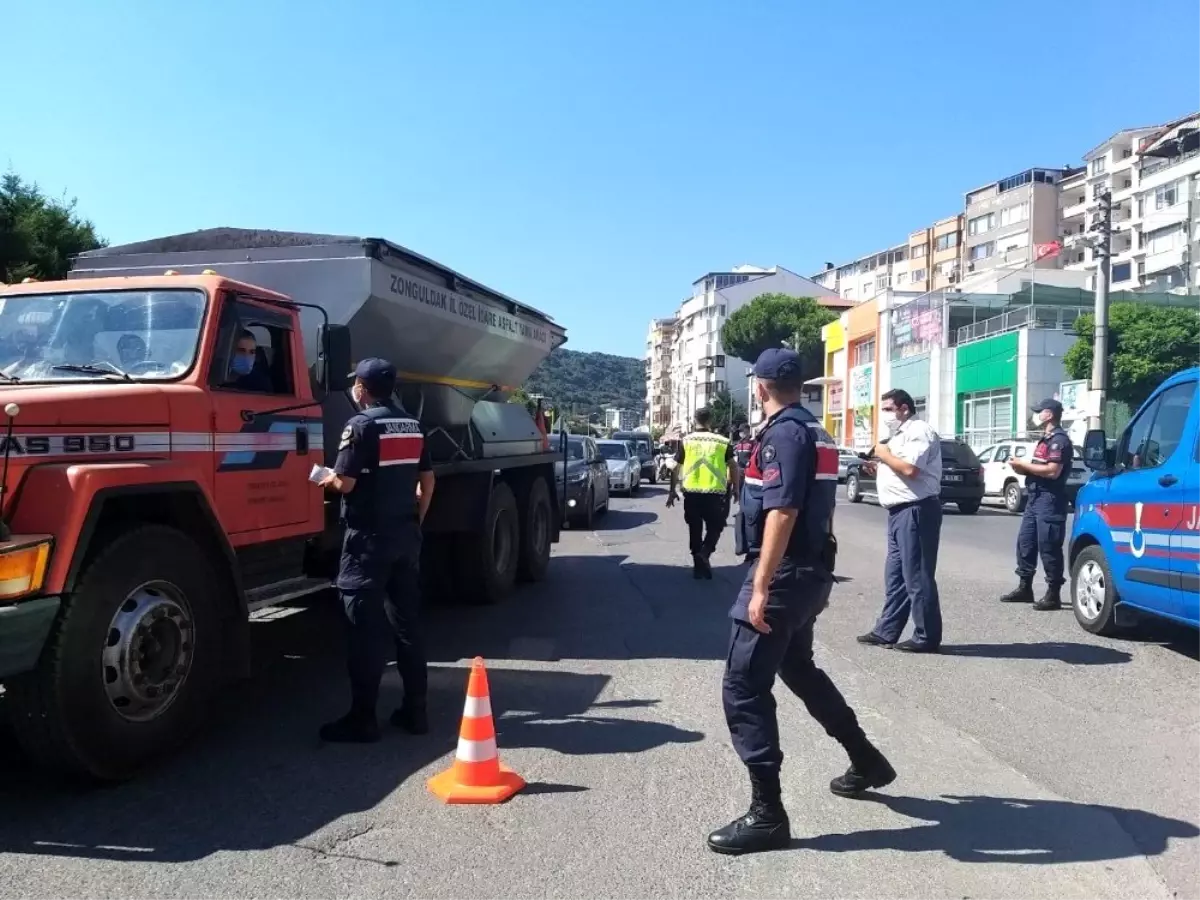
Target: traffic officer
785,527
1044,522
709,472
386,481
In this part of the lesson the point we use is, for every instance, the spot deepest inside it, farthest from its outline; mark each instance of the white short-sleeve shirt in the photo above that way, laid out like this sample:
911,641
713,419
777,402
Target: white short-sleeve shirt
917,443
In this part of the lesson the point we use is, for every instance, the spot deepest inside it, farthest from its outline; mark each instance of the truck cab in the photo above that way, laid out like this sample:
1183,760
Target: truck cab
1135,540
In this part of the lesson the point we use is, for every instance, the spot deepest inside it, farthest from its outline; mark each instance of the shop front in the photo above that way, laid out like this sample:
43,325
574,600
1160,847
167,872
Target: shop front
986,387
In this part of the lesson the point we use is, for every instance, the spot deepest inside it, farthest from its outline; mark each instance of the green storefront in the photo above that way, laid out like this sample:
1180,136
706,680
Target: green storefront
986,389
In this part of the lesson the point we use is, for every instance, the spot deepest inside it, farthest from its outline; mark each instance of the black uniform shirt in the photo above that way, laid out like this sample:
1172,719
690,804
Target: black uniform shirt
384,449
1054,447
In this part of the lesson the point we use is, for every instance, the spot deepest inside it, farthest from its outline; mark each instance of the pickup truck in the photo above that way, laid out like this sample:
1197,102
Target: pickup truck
1135,541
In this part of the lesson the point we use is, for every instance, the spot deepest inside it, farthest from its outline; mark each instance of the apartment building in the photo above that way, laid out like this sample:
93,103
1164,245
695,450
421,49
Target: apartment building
621,419
1006,220
659,344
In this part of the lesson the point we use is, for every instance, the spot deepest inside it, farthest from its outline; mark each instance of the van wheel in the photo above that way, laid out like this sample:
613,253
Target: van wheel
536,533
968,507
853,494
1014,498
494,553
1093,596
132,662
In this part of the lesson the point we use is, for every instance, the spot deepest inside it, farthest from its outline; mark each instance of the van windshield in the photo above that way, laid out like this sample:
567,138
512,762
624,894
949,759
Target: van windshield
90,336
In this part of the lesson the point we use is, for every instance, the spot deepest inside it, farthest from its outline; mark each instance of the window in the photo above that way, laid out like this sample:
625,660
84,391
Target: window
901,278
1020,451
262,337
919,275
1099,165
919,407
720,361
1162,239
980,224
1154,435
1002,453
982,251
986,455
987,417
1122,272
1014,214
1167,195
721,310
917,251
864,352
946,242
883,282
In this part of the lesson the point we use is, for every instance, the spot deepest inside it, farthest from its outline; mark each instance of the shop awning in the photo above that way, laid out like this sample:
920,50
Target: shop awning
825,381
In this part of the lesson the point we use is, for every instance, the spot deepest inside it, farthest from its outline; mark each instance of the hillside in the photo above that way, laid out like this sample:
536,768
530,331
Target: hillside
591,382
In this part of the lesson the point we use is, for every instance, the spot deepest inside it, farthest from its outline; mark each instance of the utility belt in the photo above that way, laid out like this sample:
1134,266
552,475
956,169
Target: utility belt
748,539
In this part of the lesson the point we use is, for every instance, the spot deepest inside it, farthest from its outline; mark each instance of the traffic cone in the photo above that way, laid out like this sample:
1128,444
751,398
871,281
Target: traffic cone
476,776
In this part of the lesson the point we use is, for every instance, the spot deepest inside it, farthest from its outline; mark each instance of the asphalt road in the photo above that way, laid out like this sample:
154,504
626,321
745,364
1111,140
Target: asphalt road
1034,759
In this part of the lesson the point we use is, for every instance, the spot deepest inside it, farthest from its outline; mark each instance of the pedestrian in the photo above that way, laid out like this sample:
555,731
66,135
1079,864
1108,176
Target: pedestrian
386,481
708,469
909,483
741,449
785,528
1044,522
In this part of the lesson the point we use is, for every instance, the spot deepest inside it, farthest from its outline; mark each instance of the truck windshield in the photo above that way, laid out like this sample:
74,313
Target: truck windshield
103,335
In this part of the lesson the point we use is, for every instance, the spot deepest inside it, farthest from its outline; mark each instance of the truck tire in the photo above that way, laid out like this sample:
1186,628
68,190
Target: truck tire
131,664
1093,595
536,528
494,553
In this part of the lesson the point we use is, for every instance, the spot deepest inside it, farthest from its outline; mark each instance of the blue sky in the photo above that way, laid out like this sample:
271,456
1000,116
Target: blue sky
588,158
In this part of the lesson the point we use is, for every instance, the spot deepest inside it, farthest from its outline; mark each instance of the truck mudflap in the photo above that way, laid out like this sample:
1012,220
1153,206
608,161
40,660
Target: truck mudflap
24,628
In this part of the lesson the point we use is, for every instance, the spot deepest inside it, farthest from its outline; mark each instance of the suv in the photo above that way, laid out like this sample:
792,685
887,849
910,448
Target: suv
1001,481
962,477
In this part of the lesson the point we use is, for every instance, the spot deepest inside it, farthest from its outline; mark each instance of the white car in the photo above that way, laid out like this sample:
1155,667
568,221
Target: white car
624,465
999,479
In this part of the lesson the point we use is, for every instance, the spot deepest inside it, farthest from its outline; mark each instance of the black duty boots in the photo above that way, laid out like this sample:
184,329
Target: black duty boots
765,825
701,567
1023,593
869,769
352,728
411,718
1051,600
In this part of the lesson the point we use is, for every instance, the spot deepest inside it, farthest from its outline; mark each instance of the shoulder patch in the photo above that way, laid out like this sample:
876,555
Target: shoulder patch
347,434
768,453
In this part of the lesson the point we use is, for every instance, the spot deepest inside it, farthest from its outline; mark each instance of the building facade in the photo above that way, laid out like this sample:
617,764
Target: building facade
659,345
1008,220
622,419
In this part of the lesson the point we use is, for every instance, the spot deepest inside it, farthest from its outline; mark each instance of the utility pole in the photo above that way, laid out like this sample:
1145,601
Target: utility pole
1102,248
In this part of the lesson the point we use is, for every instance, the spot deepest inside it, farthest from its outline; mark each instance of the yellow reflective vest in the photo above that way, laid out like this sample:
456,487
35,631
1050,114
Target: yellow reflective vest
705,470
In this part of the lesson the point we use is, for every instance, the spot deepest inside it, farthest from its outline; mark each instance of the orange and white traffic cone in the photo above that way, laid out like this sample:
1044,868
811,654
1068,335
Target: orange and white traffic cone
476,776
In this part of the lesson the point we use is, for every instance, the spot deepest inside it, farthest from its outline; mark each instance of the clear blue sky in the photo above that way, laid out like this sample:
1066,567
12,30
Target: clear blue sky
590,159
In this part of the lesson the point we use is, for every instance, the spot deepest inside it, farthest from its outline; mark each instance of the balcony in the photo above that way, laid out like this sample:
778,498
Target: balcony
1165,261
1075,207
1058,318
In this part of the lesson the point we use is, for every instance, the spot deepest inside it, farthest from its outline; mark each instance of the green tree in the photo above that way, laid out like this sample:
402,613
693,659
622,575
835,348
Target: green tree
772,320
726,411
38,235
1146,343
520,396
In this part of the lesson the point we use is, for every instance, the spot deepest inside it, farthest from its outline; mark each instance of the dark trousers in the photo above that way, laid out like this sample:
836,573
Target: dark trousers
1043,530
705,515
755,659
914,533
383,615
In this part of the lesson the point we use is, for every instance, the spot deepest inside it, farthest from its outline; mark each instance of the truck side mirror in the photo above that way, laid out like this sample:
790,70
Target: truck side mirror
1095,449
333,363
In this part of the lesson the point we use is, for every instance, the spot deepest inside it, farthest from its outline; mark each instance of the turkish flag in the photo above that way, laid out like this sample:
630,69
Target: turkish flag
1046,251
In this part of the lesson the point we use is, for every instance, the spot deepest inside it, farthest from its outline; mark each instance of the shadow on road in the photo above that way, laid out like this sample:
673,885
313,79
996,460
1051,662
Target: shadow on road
624,520
1063,651
1007,830
259,778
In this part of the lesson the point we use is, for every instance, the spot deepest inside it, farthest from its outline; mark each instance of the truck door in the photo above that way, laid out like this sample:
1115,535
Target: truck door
262,465
1185,543
1145,504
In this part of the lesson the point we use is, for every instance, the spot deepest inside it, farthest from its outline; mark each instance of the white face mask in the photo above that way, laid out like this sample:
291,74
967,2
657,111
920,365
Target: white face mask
1038,421
356,394
890,422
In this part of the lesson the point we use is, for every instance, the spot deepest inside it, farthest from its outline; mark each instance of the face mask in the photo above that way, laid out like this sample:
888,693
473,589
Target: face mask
890,422
357,394
1038,421
242,365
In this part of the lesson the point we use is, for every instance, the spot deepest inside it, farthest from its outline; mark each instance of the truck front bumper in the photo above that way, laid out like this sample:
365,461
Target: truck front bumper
24,627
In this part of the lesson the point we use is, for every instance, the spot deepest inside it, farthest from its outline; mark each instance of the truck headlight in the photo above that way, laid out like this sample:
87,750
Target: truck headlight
23,567
577,477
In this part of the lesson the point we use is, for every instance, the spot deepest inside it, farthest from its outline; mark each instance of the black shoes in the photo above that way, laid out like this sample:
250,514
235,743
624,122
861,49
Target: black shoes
765,825
352,728
701,567
911,646
873,772
1022,593
873,640
412,719
1049,601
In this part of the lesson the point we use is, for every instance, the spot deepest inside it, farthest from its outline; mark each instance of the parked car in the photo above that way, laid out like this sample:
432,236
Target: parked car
1000,480
587,489
624,466
962,477
846,455
645,451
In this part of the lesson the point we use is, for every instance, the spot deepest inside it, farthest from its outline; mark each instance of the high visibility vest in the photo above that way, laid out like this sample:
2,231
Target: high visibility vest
705,470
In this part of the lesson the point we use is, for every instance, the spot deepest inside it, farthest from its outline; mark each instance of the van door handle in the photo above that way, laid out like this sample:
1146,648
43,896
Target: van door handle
1167,480
302,441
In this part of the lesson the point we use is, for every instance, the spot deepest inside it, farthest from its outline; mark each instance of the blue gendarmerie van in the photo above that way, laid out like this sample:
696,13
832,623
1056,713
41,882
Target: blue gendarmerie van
1135,541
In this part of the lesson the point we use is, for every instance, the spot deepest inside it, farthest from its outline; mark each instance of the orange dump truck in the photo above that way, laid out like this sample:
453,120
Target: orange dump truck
150,506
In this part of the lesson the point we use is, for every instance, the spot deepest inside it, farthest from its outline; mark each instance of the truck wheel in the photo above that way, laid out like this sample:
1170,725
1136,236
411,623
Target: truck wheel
853,494
1014,498
495,551
131,664
535,533
1093,596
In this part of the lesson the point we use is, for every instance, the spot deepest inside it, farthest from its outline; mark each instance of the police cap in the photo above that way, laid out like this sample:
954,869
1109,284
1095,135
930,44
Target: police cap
377,375
1053,405
778,364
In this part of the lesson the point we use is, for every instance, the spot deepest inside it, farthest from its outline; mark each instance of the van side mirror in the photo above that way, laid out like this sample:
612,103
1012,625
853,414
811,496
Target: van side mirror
1095,450
333,360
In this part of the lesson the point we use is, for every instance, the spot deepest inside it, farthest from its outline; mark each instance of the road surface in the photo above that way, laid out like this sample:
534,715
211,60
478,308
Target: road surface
1034,759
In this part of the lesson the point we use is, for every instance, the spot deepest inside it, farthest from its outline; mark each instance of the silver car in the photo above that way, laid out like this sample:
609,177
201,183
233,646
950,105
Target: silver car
624,465
846,455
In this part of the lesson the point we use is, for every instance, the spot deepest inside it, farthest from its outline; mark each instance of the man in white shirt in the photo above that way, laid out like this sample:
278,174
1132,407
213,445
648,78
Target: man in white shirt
909,484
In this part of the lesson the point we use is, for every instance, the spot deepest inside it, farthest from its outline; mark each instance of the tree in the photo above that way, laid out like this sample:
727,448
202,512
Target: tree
772,320
38,236
1146,343
726,411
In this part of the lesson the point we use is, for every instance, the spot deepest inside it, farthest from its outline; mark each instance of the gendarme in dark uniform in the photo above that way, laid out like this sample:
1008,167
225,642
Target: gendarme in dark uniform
785,528
381,459
1044,522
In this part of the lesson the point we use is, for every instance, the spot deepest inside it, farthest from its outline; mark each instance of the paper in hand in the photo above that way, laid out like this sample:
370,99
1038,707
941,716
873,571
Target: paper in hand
319,473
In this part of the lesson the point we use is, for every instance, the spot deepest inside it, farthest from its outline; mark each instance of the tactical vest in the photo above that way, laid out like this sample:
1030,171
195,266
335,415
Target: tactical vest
385,496
705,470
